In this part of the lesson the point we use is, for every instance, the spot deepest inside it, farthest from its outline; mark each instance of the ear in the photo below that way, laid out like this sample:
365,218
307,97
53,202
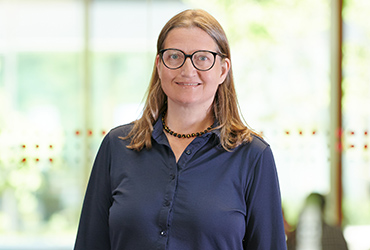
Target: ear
225,67
158,65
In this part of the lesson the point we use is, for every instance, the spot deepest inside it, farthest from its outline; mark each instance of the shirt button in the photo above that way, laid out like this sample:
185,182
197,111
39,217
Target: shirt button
163,233
172,176
188,152
167,203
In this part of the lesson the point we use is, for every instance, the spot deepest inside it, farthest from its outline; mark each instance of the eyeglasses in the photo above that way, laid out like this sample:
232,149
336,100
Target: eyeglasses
202,60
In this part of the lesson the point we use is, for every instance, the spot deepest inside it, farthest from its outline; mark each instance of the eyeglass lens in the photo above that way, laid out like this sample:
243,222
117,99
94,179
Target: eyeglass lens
202,60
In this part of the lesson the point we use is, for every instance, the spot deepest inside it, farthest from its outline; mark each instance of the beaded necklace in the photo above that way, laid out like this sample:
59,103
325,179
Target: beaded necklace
168,130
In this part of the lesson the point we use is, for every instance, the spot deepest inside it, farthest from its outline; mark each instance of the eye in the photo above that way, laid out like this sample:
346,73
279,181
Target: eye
174,56
203,56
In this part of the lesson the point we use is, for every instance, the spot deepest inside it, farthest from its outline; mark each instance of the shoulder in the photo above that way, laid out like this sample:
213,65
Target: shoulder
117,135
255,154
259,142
120,131
256,146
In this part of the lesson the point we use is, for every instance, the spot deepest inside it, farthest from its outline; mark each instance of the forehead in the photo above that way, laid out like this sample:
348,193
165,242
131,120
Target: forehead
189,40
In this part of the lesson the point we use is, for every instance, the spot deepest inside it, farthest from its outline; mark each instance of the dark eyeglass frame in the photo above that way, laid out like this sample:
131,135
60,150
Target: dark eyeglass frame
191,58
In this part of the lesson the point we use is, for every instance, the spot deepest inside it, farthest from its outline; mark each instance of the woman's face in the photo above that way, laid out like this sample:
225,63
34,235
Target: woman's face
186,85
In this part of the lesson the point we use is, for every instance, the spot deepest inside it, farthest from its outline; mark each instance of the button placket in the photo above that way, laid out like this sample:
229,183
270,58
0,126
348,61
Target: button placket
165,212
191,150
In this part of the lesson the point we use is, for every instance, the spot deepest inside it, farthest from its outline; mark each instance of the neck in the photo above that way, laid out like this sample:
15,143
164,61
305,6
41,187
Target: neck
188,120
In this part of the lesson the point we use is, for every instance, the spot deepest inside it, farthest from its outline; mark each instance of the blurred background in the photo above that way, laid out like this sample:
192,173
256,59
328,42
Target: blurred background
70,70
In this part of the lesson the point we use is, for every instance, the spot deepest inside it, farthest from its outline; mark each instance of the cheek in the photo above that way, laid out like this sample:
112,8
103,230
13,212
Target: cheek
166,75
165,80
214,79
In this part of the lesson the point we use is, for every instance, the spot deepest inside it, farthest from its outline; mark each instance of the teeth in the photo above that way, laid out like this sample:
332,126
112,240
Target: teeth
189,84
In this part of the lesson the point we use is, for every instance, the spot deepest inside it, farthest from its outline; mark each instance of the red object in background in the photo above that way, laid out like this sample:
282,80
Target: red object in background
339,146
339,132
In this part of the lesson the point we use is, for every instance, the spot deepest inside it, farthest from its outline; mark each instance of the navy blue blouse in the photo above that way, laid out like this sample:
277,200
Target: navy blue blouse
209,199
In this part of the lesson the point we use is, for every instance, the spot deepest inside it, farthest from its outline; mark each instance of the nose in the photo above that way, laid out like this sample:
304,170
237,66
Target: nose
188,68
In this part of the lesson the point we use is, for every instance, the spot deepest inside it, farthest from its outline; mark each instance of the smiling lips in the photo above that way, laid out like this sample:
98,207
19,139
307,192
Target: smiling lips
188,83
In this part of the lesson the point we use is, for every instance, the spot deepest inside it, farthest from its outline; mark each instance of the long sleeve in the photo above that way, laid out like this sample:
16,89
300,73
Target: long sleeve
264,222
93,231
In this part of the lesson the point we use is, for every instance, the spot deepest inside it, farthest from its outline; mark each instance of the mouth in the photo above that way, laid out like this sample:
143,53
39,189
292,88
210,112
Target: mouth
188,83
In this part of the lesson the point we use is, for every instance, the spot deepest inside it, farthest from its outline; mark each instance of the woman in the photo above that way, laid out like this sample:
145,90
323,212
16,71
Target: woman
188,174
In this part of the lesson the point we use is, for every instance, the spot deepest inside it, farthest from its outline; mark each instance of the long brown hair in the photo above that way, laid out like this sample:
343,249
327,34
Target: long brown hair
225,105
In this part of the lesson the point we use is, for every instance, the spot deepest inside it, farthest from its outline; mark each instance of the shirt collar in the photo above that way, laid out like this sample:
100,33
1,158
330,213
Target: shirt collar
158,133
